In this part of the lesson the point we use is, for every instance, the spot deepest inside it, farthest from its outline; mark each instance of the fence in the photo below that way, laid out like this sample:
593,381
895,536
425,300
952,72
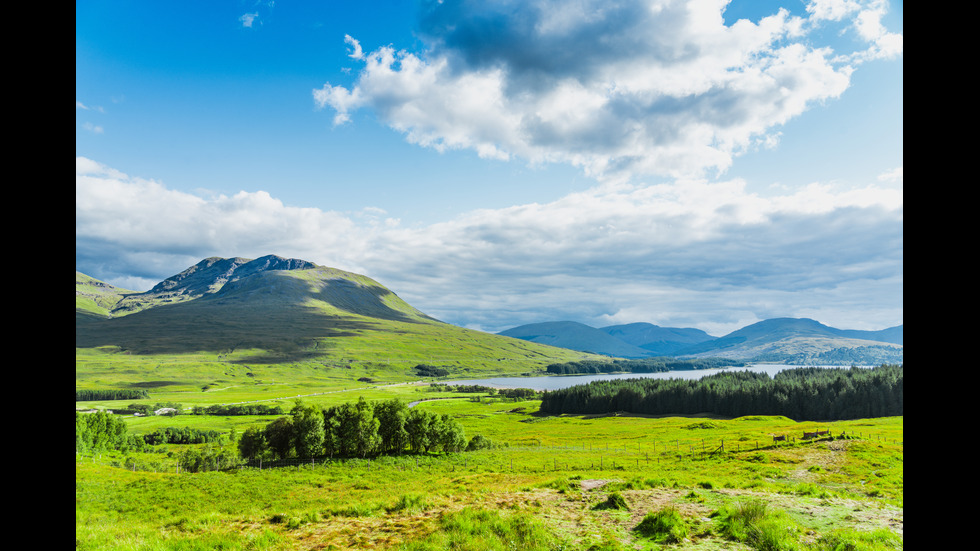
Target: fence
515,458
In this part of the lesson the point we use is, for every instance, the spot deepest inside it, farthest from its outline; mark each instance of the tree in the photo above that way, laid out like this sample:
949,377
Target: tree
253,444
418,425
449,434
308,431
279,435
357,429
391,416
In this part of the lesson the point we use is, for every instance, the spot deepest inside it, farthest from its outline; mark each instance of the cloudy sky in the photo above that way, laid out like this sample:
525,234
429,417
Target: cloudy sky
699,163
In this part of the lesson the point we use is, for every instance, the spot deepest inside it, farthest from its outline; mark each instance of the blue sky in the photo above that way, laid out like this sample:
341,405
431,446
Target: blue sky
699,164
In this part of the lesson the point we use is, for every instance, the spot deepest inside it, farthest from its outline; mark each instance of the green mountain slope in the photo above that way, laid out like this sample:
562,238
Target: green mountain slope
280,311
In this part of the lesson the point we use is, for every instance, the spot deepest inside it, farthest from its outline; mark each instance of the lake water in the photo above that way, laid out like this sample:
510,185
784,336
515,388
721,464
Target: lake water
554,382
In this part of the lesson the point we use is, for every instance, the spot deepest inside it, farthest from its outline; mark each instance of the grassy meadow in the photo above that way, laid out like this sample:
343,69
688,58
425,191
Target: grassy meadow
549,482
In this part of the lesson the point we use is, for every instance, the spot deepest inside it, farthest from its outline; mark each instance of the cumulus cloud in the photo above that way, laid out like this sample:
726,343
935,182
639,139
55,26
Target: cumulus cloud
132,226
687,253
619,89
866,20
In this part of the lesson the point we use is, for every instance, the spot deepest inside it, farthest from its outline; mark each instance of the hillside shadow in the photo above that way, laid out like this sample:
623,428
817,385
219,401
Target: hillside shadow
285,333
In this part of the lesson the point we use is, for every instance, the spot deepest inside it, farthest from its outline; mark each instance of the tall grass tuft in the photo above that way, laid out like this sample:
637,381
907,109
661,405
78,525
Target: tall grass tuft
753,523
663,526
485,530
409,504
852,540
615,502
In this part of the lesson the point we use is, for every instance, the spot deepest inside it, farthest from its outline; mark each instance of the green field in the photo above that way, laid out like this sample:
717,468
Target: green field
541,487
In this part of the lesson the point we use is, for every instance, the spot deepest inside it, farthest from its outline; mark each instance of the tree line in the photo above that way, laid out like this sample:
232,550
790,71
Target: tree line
801,394
355,429
238,409
509,393
644,365
87,395
184,435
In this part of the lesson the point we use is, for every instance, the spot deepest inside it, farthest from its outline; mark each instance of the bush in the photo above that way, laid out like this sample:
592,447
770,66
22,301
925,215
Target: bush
663,526
479,442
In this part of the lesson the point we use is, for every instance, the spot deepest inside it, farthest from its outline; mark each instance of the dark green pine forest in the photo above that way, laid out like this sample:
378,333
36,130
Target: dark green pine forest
809,393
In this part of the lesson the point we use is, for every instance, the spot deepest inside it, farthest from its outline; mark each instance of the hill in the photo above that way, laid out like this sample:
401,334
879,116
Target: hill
278,311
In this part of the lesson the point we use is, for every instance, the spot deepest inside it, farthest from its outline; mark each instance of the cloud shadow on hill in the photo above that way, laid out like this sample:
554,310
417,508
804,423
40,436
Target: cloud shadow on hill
285,333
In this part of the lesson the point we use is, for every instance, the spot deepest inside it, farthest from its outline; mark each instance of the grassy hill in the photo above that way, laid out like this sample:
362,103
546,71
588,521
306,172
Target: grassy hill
217,325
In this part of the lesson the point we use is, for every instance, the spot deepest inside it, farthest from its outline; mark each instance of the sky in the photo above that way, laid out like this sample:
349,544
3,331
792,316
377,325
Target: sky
701,163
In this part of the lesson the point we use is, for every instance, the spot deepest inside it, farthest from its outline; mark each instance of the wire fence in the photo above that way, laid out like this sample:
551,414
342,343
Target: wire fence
522,457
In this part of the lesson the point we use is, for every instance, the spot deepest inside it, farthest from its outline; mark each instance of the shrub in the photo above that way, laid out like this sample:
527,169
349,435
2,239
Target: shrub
479,442
663,526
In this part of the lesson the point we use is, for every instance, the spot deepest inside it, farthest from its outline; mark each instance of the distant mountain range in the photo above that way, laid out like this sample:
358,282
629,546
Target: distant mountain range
634,340
784,340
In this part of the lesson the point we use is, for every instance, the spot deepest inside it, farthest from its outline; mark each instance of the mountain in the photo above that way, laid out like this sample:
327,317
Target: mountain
204,278
576,336
656,340
784,340
803,341
277,310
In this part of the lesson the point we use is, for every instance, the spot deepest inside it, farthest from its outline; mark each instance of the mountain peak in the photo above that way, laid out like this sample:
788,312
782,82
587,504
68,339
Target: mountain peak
205,278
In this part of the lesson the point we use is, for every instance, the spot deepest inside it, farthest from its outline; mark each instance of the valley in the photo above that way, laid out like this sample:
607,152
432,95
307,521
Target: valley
307,339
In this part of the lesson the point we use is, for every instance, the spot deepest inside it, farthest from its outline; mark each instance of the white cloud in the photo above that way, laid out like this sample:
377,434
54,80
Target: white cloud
866,16
690,253
248,19
618,89
893,175
355,52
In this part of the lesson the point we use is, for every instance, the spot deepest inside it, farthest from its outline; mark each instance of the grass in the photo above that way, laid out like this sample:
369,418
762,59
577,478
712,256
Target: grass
533,490
663,526
541,486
